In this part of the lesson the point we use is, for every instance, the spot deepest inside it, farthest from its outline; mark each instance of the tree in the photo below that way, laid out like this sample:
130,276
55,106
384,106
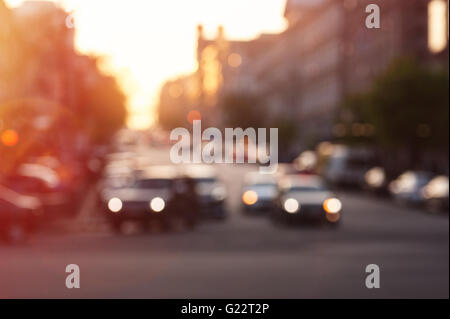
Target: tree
407,105
100,100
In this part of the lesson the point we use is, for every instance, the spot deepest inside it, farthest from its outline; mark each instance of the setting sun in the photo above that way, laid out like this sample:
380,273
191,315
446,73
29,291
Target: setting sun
148,42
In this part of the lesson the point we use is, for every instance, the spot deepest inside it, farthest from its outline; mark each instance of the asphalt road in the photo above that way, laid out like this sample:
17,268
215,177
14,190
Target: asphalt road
243,257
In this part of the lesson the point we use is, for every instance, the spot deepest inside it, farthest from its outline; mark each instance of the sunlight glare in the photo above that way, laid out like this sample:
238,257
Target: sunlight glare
152,41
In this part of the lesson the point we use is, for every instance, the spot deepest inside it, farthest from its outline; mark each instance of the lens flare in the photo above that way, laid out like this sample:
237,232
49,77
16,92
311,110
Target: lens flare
157,204
375,177
194,115
332,205
250,198
291,205
234,60
10,138
115,205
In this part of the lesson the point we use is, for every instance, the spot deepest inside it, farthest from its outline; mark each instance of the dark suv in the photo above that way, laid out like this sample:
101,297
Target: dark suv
156,194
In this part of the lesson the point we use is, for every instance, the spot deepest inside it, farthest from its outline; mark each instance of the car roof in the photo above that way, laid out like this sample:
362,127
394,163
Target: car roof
199,171
41,172
259,178
306,180
157,172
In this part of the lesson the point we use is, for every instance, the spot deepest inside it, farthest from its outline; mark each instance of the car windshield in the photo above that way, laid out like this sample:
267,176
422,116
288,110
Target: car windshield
264,185
153,183
309,188
117,182
208,180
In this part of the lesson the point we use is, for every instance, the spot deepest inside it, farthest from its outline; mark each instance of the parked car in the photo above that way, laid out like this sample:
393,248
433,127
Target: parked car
211,192
44,183
436,194
259,192
305,198
407,188
157,194
18,214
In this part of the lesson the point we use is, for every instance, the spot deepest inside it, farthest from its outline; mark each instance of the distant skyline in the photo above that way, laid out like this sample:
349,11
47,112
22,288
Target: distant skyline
149,42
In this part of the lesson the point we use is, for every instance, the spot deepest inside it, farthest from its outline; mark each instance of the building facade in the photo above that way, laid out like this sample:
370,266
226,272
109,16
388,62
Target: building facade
325,54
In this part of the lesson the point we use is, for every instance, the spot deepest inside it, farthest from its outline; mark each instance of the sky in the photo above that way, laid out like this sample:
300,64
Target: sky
146,42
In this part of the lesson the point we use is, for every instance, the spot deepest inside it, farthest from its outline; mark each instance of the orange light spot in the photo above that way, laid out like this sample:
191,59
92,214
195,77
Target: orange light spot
234,60
10,138
332,205
194,116
333,218
250,198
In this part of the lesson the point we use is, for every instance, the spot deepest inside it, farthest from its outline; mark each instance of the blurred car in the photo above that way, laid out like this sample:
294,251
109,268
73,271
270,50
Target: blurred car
436,194
44,183
18,215
259,192
286,169
348,166
211,192
306,162
407,188
305,198
157,194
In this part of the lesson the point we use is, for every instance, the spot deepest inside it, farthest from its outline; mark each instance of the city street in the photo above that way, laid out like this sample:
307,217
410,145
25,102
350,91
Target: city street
140,143
243,257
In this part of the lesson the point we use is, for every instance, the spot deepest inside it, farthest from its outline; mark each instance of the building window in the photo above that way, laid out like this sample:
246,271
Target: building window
437,25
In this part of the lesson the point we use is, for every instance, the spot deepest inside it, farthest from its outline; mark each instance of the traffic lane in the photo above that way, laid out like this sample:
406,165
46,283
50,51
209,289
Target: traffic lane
328,271
379,215
245,257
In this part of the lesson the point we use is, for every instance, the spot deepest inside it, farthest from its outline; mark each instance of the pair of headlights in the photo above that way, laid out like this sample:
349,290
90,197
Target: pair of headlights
157,204
330,205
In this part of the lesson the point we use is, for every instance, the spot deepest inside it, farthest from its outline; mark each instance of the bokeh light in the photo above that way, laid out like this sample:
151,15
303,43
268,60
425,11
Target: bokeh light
194,115
157,204
332,205
234,60
291,205
250,198
10,138
115,205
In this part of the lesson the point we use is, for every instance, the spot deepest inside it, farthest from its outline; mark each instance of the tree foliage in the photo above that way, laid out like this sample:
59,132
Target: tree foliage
101,103
407,104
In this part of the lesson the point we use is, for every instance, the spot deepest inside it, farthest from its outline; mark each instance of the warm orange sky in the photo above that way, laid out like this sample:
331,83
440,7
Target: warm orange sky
149,41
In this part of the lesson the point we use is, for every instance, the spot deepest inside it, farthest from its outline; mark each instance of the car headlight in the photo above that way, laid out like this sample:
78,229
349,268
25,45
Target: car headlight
332,205
250,198
115,205
291,205
157,204
219,193
375,177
